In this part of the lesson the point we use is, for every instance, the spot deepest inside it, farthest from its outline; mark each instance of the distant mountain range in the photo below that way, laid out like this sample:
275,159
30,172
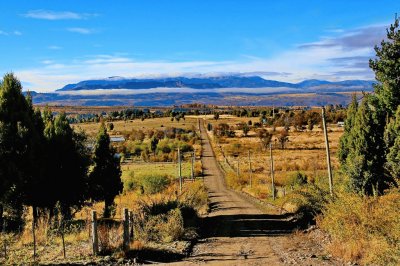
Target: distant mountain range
237,90
115,83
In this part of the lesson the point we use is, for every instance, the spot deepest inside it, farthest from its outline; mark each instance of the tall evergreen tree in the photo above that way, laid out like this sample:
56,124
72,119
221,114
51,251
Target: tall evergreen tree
34,182
368,146
105,179
344,144
392,141
366,149
15,129
67,165
387,69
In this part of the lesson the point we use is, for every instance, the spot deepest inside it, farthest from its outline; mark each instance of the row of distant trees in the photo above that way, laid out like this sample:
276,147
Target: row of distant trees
45,164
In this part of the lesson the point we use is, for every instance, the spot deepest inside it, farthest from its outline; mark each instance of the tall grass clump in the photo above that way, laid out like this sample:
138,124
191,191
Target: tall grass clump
169,217
364,229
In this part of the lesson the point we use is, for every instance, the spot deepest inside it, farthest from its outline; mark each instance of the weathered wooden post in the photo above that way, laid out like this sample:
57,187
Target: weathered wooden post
328,156
180,170
125,242
237,169
250,171
192,169
131,225
95,239
272,171
63,238
34,238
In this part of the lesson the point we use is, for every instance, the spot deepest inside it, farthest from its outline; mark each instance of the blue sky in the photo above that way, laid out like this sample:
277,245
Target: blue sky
51,43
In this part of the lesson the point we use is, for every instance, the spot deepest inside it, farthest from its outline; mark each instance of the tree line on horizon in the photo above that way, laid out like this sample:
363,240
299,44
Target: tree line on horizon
45,164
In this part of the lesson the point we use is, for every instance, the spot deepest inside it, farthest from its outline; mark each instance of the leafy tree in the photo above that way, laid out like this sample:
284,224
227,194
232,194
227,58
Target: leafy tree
283,137
265,137
245,129
216,116
111,126
153,144
105,179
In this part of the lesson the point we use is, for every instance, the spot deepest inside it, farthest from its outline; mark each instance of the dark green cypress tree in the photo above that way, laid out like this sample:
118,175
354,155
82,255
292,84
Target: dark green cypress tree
344,140
366,149
15,129
392,141
67,165
387,69
105,179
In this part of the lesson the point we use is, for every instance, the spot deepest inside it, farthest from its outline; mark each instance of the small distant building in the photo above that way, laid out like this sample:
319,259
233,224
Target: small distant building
117,139
340,124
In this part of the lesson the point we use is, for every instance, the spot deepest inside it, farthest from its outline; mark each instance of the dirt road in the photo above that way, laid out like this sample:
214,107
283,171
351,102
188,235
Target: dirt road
236,232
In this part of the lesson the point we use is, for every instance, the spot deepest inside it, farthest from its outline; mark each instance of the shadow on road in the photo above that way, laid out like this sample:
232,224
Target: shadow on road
248,225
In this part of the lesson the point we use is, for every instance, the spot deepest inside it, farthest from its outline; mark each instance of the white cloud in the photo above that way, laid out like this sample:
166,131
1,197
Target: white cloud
56,15
81,30
335,58
47,62
5,33
54,47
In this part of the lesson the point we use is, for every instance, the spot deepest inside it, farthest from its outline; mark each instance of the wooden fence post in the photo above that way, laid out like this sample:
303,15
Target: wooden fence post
131,225
237,169
34,239
251,172
95,239
192,169
180,171
272,172
63,238
125,216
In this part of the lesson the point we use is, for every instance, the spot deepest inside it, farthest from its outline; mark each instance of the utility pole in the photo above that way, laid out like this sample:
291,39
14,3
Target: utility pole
251,174
273,111
272,171
192,170
328,156
237,169
180,170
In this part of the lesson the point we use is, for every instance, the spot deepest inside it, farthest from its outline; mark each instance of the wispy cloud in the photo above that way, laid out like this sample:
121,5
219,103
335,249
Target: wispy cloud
81,30
54,47
56,15
365,37
340,56
6,33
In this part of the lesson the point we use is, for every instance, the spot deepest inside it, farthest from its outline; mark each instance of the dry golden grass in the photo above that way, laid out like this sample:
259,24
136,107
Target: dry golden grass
91,128
365,230
305,152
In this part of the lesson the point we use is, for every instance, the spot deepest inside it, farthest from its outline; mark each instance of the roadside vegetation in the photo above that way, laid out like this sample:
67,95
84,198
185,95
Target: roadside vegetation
361,218
54,173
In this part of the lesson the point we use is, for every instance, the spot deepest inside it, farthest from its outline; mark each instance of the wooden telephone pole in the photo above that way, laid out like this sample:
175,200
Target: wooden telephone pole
250,172
192,169
272,171
328,156
180,171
